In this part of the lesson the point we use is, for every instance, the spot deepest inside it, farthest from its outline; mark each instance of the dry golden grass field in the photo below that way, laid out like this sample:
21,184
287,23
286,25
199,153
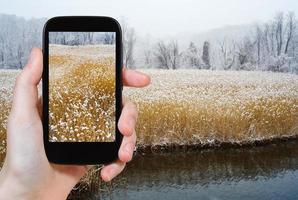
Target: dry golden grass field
201,107
186,107
82,93
7,78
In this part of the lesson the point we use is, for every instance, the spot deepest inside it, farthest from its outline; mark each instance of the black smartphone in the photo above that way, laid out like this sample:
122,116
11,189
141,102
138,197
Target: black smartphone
82,86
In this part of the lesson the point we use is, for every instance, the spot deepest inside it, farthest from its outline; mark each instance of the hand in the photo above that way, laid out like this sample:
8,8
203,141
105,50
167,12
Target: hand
27,173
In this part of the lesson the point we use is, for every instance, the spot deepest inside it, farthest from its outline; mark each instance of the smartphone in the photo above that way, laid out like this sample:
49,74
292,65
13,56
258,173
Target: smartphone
82,86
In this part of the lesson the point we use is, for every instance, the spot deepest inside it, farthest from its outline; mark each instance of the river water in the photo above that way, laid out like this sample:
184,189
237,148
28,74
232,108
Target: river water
263,172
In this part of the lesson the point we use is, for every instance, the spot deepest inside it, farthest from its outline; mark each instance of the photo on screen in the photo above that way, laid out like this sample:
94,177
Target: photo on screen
82,86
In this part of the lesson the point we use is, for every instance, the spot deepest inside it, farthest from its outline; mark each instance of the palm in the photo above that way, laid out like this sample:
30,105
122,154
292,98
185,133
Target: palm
30,157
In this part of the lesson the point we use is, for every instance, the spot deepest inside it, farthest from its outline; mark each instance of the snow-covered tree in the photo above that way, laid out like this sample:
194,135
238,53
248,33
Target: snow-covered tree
205,55
162,55
129,40
192,56
228,54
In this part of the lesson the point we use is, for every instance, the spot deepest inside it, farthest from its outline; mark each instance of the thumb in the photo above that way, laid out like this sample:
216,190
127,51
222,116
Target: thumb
25,98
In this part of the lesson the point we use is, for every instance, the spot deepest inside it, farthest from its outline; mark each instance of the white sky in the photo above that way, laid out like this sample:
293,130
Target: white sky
158,17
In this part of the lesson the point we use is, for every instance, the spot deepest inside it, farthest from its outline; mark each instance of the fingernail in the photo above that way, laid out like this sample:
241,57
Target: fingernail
111,174
131,123
108,178
31,57
129,147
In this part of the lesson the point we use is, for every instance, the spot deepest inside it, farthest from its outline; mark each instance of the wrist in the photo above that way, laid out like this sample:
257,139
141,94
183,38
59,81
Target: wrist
11,189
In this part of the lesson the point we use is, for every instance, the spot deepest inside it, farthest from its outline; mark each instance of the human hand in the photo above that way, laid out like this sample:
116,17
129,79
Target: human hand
27,173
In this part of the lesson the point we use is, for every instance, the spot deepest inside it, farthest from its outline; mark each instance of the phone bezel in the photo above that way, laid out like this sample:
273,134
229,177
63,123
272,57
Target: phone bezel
81,152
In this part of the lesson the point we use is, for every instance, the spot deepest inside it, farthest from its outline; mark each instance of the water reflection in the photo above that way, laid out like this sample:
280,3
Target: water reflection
268,172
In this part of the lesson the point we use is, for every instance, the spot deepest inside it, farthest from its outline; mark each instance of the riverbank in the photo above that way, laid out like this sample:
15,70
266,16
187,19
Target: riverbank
233,173
146,149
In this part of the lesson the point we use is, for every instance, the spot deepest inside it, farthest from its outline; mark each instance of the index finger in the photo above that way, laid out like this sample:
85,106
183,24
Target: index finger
134,78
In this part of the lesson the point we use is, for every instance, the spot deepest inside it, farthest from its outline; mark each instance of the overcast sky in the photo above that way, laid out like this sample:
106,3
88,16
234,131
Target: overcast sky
158,17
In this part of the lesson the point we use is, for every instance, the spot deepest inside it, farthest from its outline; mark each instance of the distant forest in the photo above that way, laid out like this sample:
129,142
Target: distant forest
81,38
269,46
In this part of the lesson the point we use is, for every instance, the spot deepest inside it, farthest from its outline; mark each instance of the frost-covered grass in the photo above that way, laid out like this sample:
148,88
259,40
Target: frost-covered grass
202,107
192,107
7,78
82,93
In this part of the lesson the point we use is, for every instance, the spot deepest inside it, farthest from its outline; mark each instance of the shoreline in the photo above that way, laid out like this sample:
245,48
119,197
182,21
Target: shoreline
173,148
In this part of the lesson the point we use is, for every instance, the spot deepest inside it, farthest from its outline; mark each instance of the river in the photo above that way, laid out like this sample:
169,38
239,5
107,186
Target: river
261,172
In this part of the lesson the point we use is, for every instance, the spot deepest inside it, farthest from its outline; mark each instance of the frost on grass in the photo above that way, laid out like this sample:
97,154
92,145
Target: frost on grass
82,93
198,107
7,78
201,107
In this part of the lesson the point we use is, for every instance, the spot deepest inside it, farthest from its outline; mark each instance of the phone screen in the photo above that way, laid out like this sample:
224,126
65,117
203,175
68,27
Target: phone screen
82,81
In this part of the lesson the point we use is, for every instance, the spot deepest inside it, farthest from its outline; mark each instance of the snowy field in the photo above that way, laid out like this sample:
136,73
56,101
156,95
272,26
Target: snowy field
7,78
201,106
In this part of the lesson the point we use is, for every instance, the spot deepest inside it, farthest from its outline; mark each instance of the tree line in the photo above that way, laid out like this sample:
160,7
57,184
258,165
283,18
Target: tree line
17,37
81,38
270,46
